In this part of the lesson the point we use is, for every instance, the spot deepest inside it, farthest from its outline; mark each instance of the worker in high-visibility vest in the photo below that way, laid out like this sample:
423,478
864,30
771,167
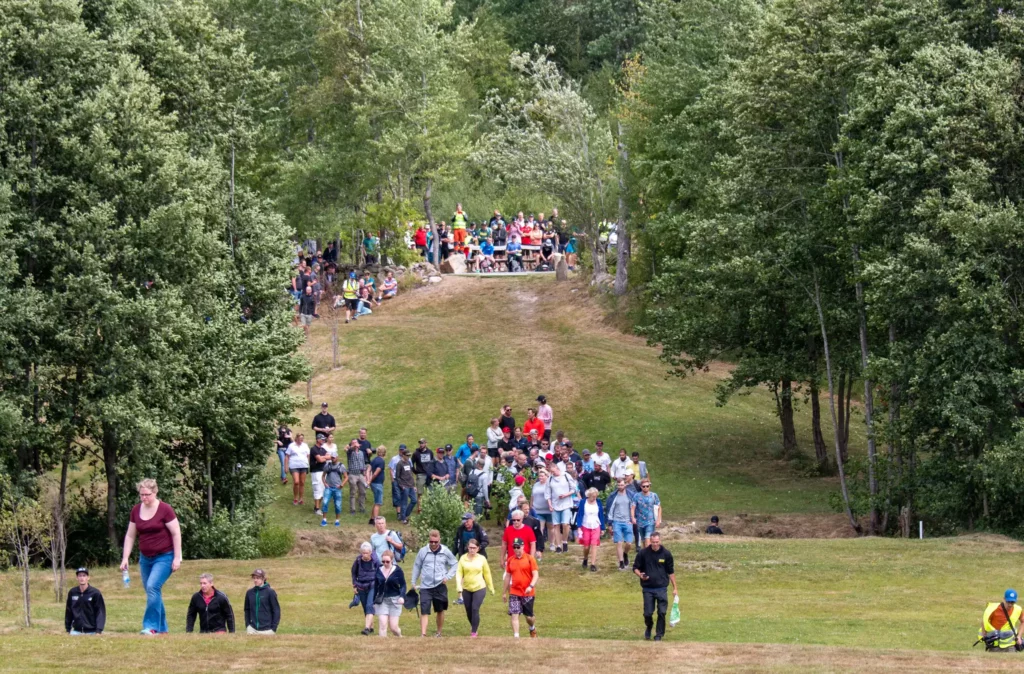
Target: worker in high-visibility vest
459,221
350,293
1000,624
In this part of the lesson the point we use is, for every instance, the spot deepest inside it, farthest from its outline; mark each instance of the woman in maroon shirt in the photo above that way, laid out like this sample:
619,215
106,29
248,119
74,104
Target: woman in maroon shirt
154,523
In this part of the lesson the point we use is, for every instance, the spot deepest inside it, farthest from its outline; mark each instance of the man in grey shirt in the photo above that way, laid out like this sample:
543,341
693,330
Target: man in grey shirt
620,522
560,491
435,565
357,480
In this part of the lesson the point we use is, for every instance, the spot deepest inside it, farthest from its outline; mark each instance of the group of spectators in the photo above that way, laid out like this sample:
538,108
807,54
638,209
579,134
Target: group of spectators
315,281
498,243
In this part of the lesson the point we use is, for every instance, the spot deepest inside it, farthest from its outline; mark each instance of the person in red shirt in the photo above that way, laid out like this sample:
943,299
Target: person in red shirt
517,530
419,238
521,576
533,423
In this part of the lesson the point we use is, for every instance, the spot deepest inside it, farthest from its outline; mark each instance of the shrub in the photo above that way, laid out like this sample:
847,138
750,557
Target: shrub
501,490
441,510
275,541
220,538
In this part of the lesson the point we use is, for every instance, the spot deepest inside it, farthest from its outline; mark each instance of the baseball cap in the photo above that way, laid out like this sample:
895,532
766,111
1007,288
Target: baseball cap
520,479
518,543
549,456
258,573
1010,595
467,516
599,443
81,569
322,404
714,518
586,452
448,447
423,439
506,430
321,436
401,447
542,399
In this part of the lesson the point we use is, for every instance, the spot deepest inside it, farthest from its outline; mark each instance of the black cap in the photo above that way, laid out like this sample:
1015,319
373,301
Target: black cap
448,447
542,399
518,543
81,569
323,404
401,447
714,518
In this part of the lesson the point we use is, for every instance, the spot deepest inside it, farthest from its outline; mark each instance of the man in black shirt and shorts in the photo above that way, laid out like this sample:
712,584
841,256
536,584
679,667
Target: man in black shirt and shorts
655,568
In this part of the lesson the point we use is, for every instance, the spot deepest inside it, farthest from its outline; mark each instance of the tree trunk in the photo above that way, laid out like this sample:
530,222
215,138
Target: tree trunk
209,476
816,298
110,468
24,558
624,245
820,450
869,400
597,253
789,443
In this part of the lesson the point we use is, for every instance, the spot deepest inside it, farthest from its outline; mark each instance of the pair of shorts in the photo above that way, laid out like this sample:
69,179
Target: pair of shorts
436,597
302,471
622,532
306,319
378,492
318,484
561,516
645,530
352,304
589,537
520,605
543,517
391,607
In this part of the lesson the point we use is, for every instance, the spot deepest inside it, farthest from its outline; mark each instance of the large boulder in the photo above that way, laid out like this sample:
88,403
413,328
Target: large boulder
561,267
454,264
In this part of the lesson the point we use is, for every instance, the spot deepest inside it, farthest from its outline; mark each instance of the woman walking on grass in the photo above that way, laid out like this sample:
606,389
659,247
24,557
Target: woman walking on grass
389,595
155,524
473,579
296,461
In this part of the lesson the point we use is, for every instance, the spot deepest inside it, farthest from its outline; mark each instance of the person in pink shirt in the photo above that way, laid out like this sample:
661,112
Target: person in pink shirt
545,414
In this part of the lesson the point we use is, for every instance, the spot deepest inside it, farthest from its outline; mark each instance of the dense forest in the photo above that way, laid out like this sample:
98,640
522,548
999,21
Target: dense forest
826,194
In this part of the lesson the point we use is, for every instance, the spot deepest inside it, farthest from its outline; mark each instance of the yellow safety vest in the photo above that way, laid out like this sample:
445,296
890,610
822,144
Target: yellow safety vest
1005,633
349,289
460,220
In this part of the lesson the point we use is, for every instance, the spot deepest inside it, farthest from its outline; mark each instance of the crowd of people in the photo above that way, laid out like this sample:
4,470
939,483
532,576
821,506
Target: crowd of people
521,243
315,281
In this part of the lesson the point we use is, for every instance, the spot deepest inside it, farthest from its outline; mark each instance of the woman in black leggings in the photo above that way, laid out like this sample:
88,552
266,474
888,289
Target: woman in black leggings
473,579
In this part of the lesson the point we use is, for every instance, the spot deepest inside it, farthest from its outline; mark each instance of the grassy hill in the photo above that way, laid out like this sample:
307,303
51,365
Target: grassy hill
438,363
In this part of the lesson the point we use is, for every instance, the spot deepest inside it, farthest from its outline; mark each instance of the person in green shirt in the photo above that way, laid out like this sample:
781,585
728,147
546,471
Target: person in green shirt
370,248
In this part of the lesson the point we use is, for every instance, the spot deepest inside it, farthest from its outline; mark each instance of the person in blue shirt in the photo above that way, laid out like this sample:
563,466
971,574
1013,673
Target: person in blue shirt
487,252
514,255
465,449
588,463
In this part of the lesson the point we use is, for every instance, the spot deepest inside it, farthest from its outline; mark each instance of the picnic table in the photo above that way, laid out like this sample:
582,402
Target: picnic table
499,253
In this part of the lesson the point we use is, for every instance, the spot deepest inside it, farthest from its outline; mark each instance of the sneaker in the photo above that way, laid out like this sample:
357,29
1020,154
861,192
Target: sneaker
351,512
284,480
533,634
647,634
625,559
459,602
584,562
657,638
346,322
365,632
437,635
301,502
515,636
622,566
565,547
472,635
370,521
552,547
148,633
295,502
593,569
323,523
337,523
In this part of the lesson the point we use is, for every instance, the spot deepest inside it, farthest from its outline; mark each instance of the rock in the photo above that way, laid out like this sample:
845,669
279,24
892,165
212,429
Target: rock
561,267
455,264
603,281
434,279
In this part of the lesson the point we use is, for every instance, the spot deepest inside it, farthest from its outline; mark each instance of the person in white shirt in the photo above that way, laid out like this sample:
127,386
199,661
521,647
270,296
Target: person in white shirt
494,435
621,465
590,522
332,449
600,456
296,461
560,493
545,414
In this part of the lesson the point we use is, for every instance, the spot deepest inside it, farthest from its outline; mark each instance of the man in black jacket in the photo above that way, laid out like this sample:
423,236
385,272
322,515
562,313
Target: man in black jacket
262,612
469,530
85,612
656,569
212,607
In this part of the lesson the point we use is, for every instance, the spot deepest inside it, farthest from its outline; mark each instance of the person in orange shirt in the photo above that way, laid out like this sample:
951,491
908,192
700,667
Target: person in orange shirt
521,576
533,423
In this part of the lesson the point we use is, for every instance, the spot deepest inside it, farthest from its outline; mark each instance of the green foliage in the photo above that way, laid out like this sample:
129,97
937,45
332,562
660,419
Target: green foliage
275,541
222,538
501,490
439,509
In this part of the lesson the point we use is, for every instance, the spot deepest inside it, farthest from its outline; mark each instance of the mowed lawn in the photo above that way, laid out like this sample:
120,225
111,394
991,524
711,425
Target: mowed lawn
439,362
865,593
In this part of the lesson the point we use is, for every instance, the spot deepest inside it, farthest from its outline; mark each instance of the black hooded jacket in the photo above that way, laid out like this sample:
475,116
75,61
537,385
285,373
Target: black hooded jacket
261,608
216,616
85,611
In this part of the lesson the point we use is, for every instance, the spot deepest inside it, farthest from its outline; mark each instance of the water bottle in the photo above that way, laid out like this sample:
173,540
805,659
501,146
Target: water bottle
126,578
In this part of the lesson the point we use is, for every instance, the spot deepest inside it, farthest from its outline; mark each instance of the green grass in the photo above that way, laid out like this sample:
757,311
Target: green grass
440,362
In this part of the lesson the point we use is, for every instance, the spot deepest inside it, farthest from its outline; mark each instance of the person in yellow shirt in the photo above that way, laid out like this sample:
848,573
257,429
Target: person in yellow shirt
473,579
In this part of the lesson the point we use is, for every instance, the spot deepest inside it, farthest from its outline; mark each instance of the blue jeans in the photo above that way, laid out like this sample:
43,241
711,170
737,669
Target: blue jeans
155,572
366,599
280,457
408,501
396,495
332,494
378,493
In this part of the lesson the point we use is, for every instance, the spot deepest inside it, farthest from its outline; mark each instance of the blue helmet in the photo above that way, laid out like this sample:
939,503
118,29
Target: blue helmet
1010,595
351,274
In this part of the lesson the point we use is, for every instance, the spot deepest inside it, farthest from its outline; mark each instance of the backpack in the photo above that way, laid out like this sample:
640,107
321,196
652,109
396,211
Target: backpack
473,485
399,554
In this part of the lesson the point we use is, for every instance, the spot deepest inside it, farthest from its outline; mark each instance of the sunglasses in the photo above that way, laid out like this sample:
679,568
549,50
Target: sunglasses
645,486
